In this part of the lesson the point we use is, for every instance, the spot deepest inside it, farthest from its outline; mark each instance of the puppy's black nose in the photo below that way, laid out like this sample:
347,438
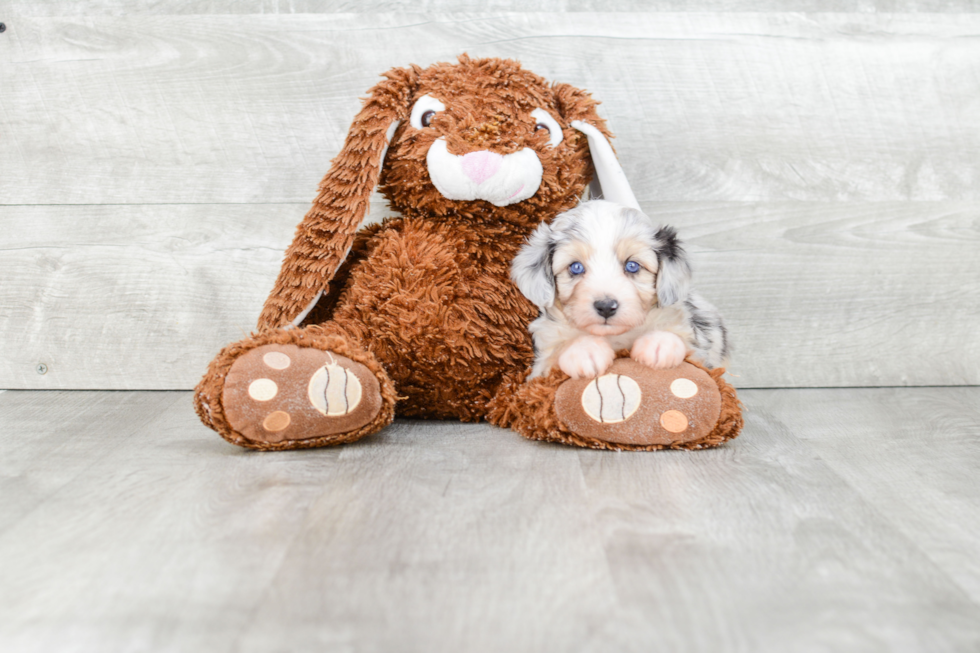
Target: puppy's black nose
606,307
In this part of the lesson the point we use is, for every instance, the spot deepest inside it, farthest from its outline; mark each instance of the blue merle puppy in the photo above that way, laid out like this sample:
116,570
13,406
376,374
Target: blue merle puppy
606,278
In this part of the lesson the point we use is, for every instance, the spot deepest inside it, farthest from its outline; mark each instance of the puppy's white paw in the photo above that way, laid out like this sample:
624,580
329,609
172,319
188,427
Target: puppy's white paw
586,357
659,350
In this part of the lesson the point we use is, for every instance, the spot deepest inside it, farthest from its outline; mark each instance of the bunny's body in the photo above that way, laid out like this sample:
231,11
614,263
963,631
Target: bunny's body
418,314
457,325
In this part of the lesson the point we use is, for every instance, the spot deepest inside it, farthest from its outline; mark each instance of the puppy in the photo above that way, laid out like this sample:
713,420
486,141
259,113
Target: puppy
606,278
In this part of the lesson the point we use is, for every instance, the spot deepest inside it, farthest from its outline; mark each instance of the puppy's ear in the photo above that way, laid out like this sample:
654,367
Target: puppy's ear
324,237
531,269
673,268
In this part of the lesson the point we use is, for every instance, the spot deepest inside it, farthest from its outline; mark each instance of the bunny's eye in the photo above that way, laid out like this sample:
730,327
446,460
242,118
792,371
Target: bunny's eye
424,110
576,269
546,121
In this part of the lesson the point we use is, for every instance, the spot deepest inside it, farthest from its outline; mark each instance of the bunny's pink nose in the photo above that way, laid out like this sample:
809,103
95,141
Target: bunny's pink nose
480,166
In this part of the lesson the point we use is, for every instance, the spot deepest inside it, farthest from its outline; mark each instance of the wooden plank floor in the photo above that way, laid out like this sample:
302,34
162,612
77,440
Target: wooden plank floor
842,520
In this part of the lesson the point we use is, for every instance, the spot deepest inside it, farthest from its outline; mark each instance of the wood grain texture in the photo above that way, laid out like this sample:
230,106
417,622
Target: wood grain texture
181,7
133,296
913,455
815,294
130,297
152,522
706,106
822,167
52,439
448,537
840,294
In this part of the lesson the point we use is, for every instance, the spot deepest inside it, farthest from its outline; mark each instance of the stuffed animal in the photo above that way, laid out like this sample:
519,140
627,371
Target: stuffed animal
417,315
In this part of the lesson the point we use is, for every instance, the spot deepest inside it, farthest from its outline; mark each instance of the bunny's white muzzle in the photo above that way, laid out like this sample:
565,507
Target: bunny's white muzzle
484,175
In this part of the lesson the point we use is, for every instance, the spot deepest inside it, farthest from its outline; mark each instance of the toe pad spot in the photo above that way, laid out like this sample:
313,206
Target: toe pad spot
276,421
276,360
263,389
684,388
674,421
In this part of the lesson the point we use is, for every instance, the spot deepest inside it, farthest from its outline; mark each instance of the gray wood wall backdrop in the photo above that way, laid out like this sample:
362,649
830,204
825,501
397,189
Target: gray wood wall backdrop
823,166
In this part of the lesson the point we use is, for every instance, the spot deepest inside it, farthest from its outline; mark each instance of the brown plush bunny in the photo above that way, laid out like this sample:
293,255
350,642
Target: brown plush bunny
417,315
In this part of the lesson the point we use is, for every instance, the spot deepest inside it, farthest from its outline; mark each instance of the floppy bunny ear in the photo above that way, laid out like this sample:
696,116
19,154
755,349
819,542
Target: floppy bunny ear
325,235
531,269
578,108
612,179
673,268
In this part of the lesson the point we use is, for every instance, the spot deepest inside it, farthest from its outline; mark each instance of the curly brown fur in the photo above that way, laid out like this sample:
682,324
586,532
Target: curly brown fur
529,408
475,118
431,300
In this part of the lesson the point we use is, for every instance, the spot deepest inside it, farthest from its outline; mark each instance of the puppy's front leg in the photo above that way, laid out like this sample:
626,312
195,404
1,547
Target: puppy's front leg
586,357
659,350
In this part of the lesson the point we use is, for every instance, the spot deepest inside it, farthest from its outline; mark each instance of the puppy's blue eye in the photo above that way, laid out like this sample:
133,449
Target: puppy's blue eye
576,268
632,267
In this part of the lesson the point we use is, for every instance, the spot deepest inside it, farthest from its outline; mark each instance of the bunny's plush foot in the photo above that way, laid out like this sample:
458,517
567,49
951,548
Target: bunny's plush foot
293,389
283,393
630,406
634,404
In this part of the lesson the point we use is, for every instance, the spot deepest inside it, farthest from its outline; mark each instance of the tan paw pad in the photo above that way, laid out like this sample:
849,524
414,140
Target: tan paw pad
334,391
611,398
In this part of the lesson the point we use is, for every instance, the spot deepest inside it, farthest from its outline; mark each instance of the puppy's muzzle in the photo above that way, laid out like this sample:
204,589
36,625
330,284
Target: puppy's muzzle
606,307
